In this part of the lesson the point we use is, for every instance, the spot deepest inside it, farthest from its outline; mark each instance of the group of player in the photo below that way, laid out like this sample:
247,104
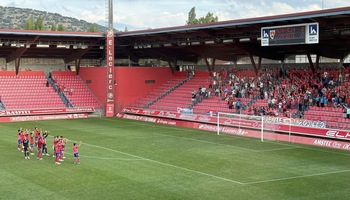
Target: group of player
29,140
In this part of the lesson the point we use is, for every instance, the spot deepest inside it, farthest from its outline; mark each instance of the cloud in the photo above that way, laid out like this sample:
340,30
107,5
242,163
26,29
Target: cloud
165,13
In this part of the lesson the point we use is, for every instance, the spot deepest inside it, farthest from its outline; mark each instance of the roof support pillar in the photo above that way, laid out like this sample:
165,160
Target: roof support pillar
17,62
172,64
77,65
259,63
341,61
311,63
253,63
213,64
210,66
317,66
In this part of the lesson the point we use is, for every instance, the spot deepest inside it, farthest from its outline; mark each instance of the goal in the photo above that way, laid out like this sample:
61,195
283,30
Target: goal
245,125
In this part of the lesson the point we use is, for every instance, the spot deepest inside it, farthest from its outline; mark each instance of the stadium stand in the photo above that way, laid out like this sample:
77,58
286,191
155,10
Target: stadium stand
74,89
27,90
160,91
289,92
181,96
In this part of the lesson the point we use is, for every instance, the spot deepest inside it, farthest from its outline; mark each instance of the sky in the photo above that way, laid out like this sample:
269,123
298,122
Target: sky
145,14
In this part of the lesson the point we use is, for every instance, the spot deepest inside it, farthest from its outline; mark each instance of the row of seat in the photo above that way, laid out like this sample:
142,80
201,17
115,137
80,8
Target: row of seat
28,92
76,91
181,97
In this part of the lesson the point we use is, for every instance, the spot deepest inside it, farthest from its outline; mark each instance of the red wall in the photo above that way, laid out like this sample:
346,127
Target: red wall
131,82
7,73
98,78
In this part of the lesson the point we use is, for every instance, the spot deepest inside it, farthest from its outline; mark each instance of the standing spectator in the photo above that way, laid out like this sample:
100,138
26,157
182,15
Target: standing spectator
238,105
347,111
340,78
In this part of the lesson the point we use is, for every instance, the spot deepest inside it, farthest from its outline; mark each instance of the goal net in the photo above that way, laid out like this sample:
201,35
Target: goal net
246,125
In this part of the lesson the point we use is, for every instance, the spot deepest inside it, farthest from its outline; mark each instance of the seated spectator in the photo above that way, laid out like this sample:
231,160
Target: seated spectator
230,103
193,97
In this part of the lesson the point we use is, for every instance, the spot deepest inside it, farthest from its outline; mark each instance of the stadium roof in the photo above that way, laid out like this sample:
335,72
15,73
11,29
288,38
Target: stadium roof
225,40
229,39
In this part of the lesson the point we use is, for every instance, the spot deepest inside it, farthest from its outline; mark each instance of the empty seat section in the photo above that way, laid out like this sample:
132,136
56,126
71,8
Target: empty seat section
158,92
181,96
19,92
76,91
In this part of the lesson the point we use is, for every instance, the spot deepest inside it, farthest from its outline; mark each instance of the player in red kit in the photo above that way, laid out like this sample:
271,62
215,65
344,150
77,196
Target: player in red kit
40,143
63,142
44,136
55,140
76,153
37,134
58,149
31,143
19,140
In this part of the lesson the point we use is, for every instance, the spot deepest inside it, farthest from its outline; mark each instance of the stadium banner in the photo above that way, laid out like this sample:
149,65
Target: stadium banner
110,72
109,110
43,117
24,112
342,145
296,126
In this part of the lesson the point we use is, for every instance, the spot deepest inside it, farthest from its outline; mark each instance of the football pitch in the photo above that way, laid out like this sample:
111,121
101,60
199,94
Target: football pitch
124,159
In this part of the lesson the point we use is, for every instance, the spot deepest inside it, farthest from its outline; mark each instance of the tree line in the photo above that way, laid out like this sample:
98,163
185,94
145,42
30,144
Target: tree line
38,24
208,18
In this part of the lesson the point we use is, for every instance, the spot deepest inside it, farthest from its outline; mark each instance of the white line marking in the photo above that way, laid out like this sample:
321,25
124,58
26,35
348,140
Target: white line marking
166,164
296,177
277,149
316,148
106,158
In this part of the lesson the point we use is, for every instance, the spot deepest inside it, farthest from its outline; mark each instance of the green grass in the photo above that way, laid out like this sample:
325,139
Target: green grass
122,159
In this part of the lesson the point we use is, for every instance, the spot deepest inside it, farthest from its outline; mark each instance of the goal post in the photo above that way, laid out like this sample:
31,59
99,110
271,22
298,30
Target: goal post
240,124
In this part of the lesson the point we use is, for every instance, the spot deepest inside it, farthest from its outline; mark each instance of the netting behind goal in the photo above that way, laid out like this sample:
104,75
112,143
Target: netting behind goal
246,125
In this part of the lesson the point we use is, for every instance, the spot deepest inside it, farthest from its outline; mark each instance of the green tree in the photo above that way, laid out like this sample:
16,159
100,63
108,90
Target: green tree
39,23
93,28
192,17
29,25
208,18
53,27
61,27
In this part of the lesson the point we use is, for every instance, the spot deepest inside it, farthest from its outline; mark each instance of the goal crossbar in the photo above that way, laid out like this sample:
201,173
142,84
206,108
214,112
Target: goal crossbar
240,121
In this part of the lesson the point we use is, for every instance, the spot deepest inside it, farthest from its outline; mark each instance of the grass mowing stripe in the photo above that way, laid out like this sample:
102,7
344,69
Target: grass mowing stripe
204,141
277,149
106,158
316,148
292,145
296,177
166,164
225,145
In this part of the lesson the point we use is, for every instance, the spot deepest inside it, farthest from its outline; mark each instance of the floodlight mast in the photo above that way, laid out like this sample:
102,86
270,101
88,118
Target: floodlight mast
110,15
111,81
